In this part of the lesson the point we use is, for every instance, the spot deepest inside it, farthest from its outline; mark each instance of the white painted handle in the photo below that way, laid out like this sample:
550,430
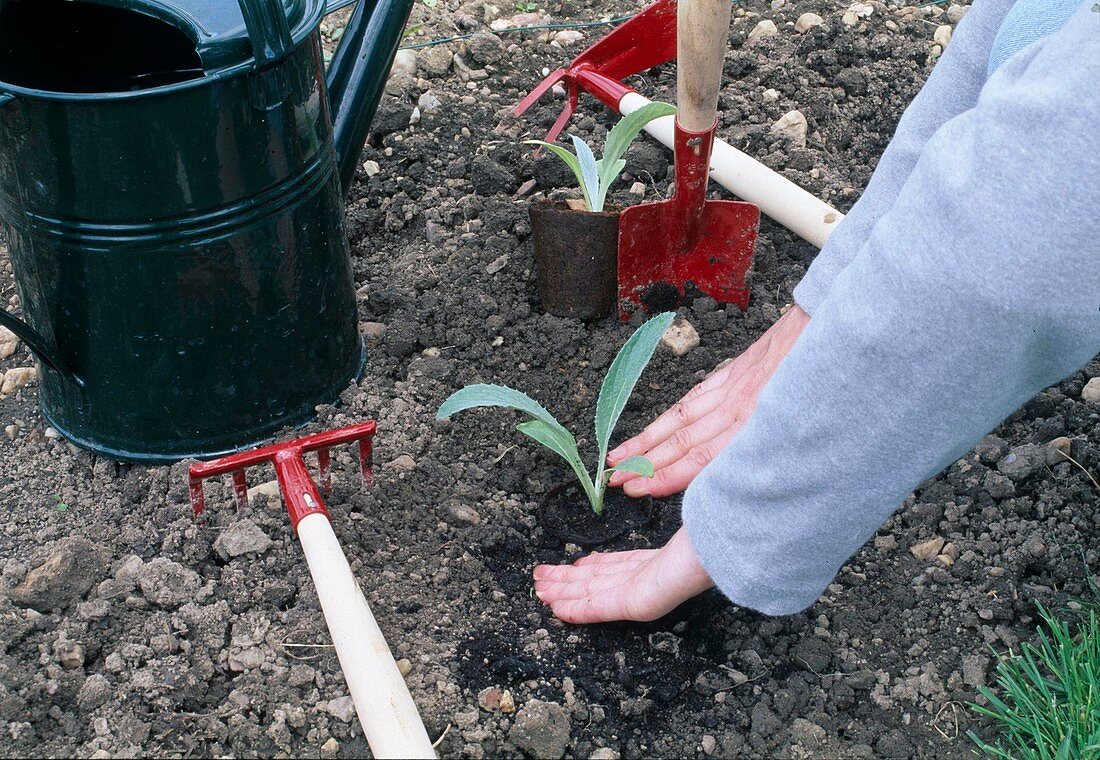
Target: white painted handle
805,215
385,708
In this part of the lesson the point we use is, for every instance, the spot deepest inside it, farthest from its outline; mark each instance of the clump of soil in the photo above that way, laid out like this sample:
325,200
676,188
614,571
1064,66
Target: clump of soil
175,637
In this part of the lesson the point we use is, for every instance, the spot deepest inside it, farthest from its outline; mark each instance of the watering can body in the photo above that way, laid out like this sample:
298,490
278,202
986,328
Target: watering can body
176,230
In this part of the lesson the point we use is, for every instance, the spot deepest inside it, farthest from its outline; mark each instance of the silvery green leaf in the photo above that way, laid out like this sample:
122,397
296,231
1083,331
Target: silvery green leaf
589,173
623,375
639,465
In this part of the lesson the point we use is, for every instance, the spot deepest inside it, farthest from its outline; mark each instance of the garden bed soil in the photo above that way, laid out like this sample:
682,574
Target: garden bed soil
147,633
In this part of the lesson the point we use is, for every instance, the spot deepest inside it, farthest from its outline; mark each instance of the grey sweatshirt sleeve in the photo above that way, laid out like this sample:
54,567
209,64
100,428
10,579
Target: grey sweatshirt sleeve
951,89
979,287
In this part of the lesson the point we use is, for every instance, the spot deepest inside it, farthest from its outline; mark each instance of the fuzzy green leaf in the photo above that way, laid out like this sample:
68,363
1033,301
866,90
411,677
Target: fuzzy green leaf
623,375
611,175
623,133
570,160
473,396
590,175
639,465
562,443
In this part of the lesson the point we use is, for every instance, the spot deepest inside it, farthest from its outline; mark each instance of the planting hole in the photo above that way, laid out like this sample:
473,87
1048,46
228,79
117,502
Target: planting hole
83,47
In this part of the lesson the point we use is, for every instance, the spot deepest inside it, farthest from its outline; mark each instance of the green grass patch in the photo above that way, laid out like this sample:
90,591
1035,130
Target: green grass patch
1046,701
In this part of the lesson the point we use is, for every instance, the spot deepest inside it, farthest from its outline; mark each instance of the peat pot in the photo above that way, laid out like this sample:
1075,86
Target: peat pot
576,258
172,175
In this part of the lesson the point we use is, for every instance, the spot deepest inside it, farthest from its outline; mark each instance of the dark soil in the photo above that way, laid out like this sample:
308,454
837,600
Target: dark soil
151,640
566,514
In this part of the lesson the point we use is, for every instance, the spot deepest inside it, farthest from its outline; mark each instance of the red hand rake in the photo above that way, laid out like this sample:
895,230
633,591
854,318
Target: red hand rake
385,708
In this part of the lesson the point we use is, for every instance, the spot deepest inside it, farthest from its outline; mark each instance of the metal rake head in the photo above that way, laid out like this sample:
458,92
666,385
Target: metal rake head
646,40
300,494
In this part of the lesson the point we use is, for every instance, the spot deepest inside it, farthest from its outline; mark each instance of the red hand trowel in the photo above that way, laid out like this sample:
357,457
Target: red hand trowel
689,246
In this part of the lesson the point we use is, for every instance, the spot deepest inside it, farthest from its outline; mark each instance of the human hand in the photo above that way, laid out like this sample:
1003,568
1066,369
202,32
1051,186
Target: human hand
639,585
683,440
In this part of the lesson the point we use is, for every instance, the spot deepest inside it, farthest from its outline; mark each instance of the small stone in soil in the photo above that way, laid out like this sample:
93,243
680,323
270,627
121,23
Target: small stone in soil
541,729
680,338
807,21
242,537
792,125
765,28
926,550
1091,391
17,378
507,702
168,584
1022,462
341,708
488,699
1057,451
72,567
404,666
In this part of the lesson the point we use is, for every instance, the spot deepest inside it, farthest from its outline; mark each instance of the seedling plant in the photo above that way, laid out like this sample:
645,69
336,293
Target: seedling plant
595,177
617,386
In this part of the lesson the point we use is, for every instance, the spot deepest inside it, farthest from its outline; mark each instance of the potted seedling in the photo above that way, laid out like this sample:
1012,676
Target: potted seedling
617,386
576,248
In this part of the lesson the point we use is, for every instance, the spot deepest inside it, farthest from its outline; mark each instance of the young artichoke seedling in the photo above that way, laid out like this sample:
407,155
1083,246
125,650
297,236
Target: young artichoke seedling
595,177
617,386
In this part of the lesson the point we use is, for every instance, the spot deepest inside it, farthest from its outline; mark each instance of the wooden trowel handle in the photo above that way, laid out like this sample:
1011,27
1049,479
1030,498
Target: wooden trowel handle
702,35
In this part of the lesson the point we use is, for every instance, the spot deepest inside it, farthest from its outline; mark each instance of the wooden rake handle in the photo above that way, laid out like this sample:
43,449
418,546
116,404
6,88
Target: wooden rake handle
702,35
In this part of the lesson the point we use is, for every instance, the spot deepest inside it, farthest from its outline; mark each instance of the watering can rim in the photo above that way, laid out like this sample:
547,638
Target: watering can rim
313,11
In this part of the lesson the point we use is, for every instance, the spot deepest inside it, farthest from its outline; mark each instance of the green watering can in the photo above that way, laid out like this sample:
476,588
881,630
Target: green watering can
172,175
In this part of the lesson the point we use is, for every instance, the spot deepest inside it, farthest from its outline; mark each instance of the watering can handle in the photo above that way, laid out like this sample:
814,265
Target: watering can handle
39,346
268,29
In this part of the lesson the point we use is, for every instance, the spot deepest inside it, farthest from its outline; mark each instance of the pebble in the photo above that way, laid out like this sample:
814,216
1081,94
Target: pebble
69,653
242,537
541,729
372,332
1091,391
9,342
247,659
709,744
526,188
955,12
466,72
927,549
568,37
269,489
488,699
404,666
435,61
638,188
168,584
942,35
765,28
371,168
404,63
72,567
428,102
341,708
507,702
792,125
1021,462
17,378
807,21
330,748
1057,451
680,338
463,513
485,47
403,463
604,753
11,431
770,95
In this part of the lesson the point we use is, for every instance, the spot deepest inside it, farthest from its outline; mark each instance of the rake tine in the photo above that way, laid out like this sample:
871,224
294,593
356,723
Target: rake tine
366,450
323,461
197,501
240,488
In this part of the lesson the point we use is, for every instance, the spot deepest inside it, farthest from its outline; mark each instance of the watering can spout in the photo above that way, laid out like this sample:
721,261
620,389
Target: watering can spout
358,73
